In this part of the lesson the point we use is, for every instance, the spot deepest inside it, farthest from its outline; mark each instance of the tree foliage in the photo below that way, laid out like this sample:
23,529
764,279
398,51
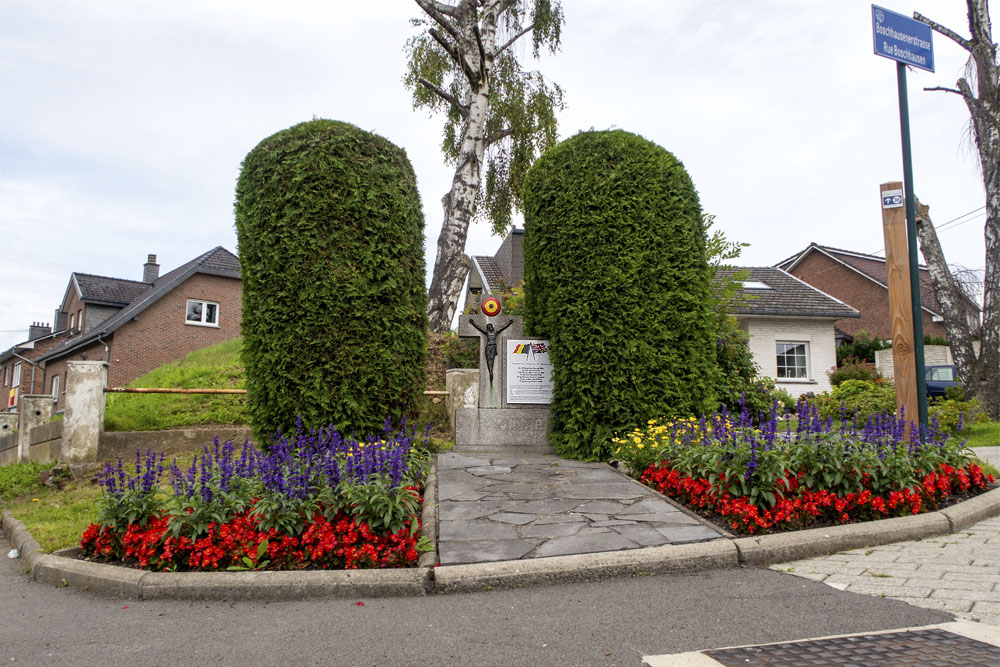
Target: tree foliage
498,116
331,248
616,277
980,90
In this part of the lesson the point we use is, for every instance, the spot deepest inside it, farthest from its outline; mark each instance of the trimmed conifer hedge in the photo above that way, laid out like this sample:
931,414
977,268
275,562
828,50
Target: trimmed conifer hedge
334,305
616,277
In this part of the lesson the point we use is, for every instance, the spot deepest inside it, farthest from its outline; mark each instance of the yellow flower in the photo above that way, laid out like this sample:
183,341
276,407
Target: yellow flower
34,500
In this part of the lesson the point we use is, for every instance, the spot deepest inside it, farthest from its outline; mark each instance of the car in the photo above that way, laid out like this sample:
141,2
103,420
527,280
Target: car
939,379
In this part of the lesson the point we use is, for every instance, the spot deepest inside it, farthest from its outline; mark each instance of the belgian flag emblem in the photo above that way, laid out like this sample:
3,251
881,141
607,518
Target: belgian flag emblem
490,306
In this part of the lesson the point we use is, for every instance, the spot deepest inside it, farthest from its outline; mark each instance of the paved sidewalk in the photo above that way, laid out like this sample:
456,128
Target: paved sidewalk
495,507
958,573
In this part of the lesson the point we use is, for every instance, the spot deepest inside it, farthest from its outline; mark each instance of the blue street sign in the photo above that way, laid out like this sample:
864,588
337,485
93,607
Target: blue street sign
902,39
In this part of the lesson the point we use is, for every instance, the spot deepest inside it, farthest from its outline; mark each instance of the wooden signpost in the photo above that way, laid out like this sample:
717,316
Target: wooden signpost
897,268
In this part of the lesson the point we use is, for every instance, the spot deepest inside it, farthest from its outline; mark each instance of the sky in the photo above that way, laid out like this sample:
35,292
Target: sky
123,123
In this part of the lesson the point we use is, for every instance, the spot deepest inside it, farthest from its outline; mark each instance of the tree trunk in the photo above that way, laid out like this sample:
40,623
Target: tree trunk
978,375
452,264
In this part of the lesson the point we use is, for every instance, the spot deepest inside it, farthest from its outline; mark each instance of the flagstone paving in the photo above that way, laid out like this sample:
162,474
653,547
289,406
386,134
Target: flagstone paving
510,506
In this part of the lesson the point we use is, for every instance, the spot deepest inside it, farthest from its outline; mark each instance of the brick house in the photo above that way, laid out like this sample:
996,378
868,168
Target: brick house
138,325
790,326
790,323
859,280
20,372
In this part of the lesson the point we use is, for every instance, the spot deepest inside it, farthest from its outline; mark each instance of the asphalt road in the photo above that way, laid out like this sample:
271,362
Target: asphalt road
613,622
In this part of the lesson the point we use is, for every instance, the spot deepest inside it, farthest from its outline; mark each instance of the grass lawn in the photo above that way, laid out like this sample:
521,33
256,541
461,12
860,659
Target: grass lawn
215,367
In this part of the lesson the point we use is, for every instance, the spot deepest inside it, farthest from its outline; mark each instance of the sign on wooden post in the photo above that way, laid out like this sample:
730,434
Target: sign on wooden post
897,268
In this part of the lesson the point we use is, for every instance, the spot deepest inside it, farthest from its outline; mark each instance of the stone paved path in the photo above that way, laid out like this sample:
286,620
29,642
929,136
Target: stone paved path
511,506
959,573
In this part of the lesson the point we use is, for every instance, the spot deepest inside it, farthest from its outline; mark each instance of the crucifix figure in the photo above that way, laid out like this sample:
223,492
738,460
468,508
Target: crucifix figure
491,342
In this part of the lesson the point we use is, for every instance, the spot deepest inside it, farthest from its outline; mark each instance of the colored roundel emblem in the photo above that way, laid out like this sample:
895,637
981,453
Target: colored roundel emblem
490,306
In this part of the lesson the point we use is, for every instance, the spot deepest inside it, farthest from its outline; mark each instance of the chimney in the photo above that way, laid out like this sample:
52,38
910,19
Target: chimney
150,270
37,330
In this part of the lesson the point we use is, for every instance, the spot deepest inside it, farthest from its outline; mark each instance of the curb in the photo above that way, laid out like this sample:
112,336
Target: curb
124,582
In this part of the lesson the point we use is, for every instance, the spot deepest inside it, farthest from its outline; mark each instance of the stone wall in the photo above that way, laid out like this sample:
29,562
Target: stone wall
934,355
125,443
45,442
8,448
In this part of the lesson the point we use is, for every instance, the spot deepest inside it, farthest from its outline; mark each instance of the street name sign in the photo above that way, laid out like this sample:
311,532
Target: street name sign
902,39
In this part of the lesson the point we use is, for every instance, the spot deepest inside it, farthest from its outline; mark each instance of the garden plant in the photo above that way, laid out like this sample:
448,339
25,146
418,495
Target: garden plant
617,277
769,477
330,232
315,500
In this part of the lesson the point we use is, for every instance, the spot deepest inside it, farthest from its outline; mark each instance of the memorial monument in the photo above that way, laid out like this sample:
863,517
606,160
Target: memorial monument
515,388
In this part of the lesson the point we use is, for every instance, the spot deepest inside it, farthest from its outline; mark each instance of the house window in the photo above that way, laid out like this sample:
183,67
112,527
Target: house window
55,388
79,319
202,313
16,382
792,361
72,321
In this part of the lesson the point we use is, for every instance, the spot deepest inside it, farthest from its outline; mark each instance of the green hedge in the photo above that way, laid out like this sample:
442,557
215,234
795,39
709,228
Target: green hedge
334,306
616,277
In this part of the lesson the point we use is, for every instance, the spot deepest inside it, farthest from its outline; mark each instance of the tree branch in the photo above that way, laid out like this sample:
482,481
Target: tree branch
482,53
943,89
456,56
947,32
516,37
430,8
493,138
462,109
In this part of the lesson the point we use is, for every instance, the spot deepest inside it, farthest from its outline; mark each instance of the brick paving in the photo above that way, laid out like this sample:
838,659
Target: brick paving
958,573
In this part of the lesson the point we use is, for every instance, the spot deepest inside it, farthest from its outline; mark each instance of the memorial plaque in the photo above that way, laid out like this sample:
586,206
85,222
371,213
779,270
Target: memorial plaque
529,371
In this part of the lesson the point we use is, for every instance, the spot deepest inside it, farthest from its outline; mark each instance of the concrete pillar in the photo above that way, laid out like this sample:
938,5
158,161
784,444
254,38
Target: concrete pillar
84,414
33,410
8,422
462,385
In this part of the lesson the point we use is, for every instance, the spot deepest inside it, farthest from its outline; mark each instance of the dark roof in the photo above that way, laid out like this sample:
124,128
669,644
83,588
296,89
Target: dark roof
873,268
490,271
787,295
109,291
216,262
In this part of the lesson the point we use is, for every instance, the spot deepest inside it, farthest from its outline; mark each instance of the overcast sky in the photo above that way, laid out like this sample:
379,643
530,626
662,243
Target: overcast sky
123,122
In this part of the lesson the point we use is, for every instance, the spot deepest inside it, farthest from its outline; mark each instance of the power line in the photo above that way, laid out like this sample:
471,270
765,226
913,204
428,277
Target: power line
943,225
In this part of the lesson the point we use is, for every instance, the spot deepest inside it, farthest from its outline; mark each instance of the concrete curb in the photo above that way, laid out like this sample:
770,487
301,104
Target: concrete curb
974,510
585,567
428,518
759,551
783,547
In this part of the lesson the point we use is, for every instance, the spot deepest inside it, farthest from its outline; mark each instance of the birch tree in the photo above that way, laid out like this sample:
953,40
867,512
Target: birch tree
498,117
980,90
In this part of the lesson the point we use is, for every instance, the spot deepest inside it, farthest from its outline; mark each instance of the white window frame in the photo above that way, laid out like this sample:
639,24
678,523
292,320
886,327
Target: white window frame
16,379
55,388
72,321
778,352
204,313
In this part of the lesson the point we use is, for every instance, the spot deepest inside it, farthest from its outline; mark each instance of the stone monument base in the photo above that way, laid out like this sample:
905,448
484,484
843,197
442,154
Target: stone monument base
520,430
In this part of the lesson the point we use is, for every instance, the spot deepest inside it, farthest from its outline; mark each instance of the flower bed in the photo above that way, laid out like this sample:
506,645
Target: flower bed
762,479
316,500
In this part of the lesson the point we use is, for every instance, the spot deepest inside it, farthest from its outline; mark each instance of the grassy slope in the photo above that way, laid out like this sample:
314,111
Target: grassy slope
215,367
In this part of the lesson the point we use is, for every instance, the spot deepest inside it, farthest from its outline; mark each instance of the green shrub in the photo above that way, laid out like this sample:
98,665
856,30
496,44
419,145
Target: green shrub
852,369
461,352
950,411
860,398
862,349
785,400
331,248
738,383
616,277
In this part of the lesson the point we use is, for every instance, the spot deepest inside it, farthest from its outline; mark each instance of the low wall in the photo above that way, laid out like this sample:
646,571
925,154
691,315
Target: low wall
934,355
45,442
8,448
125,443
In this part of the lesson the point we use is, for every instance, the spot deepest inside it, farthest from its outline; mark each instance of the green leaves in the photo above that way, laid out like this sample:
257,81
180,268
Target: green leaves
330,233
616,275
